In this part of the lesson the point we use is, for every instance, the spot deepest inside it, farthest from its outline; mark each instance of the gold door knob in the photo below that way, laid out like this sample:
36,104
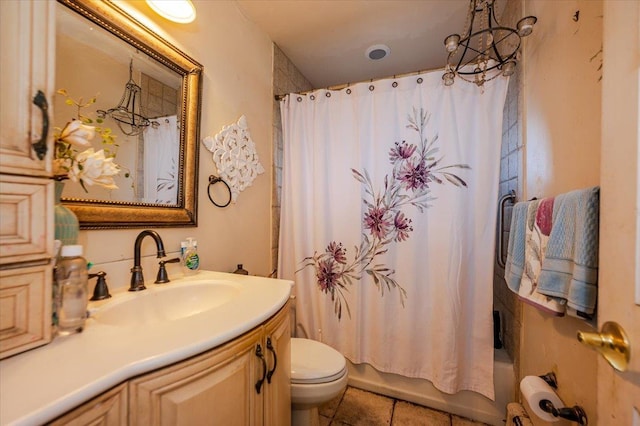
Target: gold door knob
611,342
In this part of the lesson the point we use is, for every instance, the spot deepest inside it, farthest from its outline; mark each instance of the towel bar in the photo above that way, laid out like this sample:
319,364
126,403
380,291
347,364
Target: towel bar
511,196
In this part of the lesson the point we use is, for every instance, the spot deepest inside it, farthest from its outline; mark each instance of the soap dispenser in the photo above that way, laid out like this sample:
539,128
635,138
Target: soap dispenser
190,259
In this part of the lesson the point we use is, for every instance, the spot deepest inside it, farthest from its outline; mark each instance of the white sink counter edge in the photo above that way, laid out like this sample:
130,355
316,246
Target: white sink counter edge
40,385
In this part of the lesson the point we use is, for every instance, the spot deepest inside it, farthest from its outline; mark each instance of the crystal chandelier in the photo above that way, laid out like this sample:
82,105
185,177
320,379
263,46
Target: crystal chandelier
126,113
484,46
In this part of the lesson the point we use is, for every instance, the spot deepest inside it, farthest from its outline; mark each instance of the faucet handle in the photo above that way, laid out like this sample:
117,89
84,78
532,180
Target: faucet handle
101,291
163,277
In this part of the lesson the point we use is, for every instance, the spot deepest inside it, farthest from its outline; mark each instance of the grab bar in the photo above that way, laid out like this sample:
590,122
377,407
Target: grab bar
511,196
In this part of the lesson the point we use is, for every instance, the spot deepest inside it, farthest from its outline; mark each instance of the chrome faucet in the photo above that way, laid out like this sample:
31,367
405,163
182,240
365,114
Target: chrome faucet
137,279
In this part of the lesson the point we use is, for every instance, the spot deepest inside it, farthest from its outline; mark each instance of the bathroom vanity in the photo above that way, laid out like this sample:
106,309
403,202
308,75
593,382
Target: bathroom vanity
183,363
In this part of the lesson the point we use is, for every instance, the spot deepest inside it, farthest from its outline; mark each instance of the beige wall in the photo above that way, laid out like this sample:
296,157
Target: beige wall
237,60
561,122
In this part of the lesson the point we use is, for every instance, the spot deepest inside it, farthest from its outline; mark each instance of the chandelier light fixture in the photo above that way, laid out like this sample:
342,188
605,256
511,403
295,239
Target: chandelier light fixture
127,114
486,49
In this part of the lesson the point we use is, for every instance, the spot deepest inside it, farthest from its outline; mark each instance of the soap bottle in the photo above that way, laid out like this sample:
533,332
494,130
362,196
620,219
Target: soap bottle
190,259
72,293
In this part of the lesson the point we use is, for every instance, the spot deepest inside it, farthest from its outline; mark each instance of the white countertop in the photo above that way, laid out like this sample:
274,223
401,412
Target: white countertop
41,384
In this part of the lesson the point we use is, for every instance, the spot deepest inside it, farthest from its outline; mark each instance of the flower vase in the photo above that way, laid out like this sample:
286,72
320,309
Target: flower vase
67,226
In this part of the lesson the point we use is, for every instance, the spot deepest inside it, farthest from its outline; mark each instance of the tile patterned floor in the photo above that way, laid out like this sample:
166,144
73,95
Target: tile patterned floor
356,407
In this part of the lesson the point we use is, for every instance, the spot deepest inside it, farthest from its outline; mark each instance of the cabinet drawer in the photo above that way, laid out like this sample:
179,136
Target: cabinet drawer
26,219
25,309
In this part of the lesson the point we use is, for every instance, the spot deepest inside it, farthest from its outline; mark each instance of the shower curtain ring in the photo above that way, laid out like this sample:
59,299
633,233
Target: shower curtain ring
212,181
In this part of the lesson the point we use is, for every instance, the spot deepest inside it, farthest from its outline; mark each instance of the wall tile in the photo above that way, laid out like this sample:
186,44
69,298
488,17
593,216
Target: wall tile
514,138
286,79
513,166
504,170
504,147
504,299
508,211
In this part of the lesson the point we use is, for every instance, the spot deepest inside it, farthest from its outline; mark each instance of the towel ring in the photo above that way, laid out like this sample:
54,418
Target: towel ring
212,181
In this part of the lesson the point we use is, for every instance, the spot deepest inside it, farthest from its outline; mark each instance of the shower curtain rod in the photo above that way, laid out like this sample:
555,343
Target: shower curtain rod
345,85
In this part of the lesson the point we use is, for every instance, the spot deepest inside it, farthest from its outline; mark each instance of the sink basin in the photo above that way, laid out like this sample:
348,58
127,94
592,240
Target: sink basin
165,303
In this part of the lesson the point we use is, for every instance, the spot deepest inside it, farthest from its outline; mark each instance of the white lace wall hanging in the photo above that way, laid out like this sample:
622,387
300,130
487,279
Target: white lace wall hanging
235,156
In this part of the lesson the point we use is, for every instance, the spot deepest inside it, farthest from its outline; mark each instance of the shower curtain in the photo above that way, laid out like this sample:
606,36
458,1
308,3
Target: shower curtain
389,203
161,154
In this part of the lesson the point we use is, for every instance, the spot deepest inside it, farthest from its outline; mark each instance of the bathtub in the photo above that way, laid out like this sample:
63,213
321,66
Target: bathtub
466,403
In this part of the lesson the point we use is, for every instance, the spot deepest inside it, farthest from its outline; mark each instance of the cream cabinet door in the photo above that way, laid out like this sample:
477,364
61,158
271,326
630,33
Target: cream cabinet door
215,388
277,392
108,409
27,58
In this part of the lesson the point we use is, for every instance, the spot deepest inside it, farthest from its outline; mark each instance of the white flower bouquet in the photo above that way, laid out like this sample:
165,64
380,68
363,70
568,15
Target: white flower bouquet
76,159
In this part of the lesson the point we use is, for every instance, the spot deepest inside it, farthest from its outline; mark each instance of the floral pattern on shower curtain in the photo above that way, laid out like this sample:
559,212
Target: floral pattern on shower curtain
415,169
376,215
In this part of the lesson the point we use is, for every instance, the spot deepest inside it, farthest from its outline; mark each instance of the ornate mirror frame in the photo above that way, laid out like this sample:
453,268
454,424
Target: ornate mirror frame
94,214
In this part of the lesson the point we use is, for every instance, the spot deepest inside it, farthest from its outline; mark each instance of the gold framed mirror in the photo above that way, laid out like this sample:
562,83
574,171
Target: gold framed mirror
150,60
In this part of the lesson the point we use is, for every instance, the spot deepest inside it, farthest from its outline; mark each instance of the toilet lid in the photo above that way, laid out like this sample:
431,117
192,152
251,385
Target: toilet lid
315,362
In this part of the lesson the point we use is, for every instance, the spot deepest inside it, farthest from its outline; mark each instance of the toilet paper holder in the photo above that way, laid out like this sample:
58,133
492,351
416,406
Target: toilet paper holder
574,414
550,379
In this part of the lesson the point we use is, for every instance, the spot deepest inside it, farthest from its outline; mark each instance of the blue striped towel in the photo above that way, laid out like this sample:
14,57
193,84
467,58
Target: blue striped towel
514,265
570,268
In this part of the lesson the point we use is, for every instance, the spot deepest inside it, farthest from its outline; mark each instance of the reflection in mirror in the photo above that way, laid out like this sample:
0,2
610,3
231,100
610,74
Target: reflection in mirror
148,94
90,61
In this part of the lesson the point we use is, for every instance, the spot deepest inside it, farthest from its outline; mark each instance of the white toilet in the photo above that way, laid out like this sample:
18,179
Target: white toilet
318,374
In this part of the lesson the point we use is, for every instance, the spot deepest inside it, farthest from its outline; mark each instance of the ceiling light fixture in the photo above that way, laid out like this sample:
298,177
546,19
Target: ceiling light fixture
484,46
377,52
180,11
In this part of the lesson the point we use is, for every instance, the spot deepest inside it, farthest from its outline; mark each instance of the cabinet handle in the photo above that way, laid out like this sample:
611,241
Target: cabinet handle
275,360
260,355
40,147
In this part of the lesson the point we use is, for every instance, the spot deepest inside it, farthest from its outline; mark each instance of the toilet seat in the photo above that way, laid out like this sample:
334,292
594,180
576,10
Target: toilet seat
315,362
